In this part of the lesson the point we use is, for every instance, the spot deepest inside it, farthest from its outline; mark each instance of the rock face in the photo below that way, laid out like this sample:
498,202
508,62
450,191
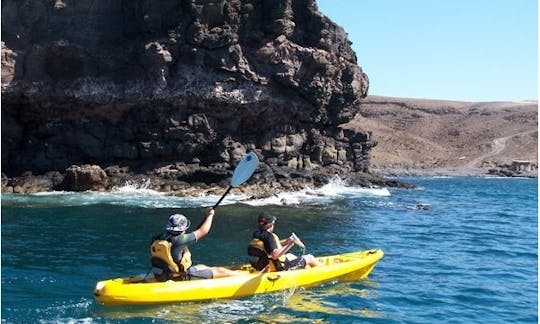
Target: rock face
179,89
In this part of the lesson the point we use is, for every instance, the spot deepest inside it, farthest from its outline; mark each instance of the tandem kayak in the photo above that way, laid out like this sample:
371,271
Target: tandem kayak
136,291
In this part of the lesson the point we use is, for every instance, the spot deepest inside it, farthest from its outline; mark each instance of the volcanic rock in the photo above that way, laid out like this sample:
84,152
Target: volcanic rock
148,86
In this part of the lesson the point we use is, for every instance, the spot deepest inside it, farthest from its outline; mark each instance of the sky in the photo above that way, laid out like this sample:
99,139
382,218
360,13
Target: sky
464,50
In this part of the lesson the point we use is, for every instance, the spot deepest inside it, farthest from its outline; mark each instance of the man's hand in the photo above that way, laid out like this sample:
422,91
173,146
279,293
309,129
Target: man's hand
297,241
290,239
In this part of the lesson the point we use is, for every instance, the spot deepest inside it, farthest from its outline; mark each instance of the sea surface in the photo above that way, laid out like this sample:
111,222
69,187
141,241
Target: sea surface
470,257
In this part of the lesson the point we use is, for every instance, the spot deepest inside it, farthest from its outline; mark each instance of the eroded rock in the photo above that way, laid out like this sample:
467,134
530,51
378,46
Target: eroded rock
143,84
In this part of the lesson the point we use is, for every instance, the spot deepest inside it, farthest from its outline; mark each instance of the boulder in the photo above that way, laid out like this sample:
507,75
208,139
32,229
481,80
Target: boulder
85,177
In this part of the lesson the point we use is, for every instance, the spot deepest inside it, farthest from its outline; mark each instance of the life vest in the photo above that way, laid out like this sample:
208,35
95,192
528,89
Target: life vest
163,265
259,258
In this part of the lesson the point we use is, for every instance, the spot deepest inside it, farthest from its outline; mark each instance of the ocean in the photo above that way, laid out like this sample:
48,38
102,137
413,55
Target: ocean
471,256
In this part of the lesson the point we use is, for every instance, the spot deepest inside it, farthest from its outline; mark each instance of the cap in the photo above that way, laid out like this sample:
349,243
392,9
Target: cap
177,223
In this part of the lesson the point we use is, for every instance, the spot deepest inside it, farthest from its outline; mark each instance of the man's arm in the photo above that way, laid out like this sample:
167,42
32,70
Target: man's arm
205,225
287,244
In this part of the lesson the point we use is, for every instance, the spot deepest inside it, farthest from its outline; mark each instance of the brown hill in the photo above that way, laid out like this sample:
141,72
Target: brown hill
421,136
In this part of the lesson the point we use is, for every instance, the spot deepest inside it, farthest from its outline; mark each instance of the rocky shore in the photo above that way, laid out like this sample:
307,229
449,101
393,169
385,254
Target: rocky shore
93,177
95,94
453,172
172,94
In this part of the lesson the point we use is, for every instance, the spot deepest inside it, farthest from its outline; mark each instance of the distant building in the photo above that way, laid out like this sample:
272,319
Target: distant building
523,166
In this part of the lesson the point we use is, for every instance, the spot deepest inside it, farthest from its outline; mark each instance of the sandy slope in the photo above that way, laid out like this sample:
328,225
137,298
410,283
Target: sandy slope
431,135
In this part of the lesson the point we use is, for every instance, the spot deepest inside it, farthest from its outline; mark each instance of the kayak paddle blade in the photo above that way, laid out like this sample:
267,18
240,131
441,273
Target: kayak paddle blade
245,168
297,241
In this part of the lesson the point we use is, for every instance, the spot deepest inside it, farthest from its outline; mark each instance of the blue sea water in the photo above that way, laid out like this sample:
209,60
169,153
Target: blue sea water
471,257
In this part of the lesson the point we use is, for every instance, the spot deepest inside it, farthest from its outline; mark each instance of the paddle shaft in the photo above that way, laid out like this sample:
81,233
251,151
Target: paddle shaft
220,199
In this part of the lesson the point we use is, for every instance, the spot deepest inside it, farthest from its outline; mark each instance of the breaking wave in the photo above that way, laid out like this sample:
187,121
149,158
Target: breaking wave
132,194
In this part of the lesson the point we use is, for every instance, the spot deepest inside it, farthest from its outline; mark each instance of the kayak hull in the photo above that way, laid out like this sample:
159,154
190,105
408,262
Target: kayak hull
135,291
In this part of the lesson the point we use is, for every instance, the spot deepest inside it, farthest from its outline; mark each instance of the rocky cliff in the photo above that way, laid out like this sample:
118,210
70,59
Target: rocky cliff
178,91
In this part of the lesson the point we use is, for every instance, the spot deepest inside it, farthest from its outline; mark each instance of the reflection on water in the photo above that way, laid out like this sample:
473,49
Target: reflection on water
217,311
327,301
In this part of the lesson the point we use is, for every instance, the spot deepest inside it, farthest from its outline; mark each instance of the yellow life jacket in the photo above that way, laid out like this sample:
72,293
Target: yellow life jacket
256,250
161,257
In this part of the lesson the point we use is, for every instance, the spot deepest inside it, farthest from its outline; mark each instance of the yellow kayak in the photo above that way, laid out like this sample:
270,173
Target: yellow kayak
135,291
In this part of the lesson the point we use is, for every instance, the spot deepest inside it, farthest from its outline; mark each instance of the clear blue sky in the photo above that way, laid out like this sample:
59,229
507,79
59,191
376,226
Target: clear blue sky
467,50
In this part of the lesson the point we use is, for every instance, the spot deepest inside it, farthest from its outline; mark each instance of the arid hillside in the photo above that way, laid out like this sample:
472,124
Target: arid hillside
420,136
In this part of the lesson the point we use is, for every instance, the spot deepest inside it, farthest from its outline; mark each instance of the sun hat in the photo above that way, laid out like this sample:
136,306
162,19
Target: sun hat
265,219
177,223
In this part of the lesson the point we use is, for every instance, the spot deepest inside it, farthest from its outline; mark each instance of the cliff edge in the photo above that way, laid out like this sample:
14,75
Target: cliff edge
95,93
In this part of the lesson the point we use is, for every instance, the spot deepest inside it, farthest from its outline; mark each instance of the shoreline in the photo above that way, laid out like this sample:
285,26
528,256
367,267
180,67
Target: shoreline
33,184
449,172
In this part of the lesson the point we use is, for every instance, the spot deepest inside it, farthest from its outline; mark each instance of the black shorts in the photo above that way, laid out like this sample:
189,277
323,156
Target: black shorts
297,263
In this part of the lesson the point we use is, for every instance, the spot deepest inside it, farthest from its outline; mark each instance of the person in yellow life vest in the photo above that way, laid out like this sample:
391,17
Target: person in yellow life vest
266,249
177,248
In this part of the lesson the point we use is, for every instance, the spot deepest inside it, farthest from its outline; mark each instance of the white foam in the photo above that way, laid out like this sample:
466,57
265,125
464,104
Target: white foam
133,194
131,188
51,193
336,188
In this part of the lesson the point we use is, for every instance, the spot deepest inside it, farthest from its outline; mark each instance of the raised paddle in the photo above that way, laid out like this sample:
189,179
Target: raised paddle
244,170
297,241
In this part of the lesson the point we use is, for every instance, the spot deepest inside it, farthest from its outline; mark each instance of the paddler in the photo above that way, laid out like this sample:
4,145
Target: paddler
179,240
267,250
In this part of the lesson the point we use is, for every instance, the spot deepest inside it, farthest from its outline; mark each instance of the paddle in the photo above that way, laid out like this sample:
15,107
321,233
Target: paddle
244,170
297,241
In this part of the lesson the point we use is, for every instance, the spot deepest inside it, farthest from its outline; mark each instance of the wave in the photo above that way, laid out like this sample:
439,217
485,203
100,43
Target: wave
334,189
139,195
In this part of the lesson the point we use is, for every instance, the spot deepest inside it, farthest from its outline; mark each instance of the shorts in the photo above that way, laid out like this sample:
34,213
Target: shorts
200,272
297,263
